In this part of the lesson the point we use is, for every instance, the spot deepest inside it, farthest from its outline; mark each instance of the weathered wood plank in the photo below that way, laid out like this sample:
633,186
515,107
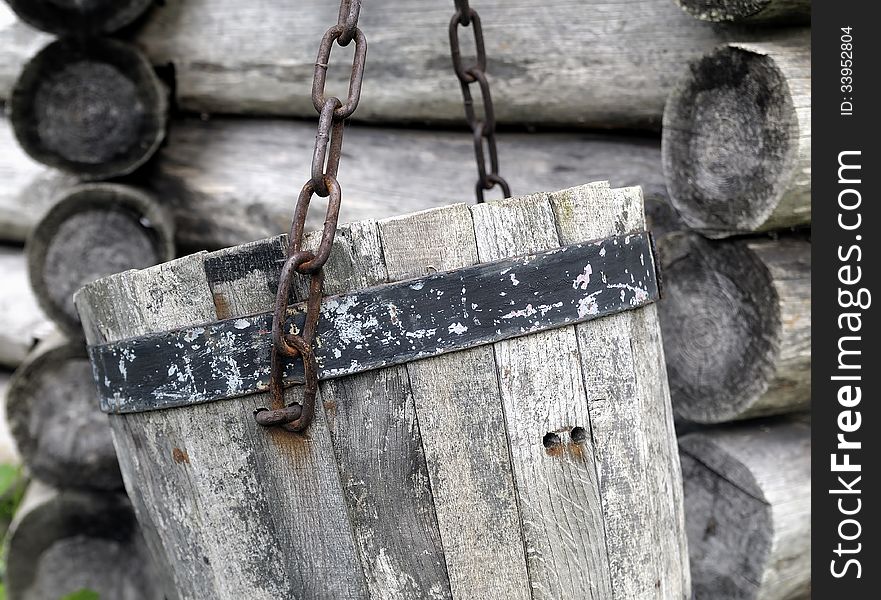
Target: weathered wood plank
460,418
61,542
90,106
22,322
383,325
748,510
53,414
737,137
736,319
230,181
631,425
544,402
64,252
174,474
379,448
620,60
781,12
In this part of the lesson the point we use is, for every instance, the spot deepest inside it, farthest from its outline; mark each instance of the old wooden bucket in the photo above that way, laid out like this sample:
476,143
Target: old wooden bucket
539,466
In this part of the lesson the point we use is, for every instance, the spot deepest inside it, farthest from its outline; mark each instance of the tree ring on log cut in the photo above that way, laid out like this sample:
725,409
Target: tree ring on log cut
730,11
55,420
92,107
730,141
95,230
79,17
720,324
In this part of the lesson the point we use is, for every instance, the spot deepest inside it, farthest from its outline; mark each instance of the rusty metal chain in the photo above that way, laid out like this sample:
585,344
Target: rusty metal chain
484,130
333,112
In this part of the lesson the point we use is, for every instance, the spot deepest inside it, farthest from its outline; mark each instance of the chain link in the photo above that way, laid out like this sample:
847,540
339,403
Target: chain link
333,113
484,130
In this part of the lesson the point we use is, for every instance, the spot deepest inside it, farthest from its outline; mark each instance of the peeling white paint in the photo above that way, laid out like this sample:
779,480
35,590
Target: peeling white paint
457,328
582,281
241,324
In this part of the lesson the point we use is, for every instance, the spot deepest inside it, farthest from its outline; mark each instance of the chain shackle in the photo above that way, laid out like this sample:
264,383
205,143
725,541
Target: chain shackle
483,129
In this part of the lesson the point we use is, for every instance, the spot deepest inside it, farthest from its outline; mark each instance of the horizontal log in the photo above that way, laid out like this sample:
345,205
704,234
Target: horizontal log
94,230
588,64
53,415
83,18
737,138
736,322
93,107
748,511
781,12
22,321
61,542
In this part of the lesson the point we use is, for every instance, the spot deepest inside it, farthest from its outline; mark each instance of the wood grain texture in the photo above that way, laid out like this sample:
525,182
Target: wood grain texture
22,322
52,411
465,448
225,507
89,106
748,510
778,12
619,61
61,542
231,181
92,231
737,137
78,17
631,423
736,322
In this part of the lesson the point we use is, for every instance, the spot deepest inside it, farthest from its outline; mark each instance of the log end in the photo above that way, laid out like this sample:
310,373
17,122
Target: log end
721,327
792,12
93,107
89,17
53,414
730,141
94,231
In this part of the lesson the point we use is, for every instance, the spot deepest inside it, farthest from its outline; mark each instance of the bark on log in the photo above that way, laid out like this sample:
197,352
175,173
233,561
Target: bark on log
736,322
95,230
78,17
231,181
737,138
93,107
781,12
22,321
748,511
594,64
61,542
52,411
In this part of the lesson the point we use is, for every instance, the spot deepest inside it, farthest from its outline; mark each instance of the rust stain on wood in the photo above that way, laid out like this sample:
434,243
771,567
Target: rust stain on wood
221,305
180,456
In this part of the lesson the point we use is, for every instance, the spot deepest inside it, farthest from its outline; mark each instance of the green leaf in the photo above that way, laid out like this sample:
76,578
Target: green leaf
82,595
9,476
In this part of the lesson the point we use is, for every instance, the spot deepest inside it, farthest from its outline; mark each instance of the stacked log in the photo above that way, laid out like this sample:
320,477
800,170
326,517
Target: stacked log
62,542
22,322
83,18
737,138
787,12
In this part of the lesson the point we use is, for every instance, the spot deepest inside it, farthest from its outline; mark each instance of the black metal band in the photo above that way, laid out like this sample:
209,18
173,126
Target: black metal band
384,325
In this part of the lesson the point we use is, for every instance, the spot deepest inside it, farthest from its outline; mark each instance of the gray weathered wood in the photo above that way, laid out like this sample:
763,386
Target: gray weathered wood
79,18
90,106
737,137
781,12
593,64
275,525
61,542
52,411
231,181
631,425
94,230
461,421
748,510
22,322
736,319
231,491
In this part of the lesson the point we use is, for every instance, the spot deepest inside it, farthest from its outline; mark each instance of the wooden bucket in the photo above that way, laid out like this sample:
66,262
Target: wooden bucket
543,466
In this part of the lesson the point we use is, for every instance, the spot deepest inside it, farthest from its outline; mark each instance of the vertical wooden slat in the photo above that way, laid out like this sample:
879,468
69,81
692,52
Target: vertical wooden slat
631,422
379,448
460,418
544,402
